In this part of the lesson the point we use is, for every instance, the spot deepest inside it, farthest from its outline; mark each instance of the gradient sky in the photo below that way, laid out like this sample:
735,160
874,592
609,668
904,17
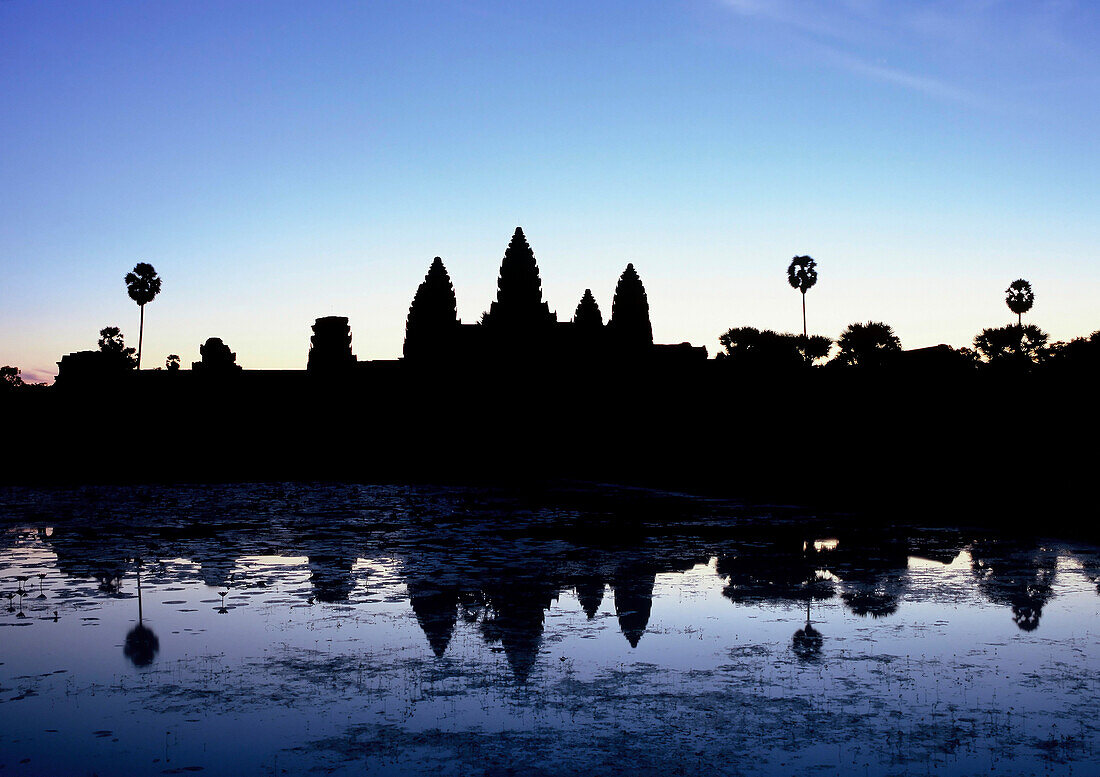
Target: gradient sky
280,161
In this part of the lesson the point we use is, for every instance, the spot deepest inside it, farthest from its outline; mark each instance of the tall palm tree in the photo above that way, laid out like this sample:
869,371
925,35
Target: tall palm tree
142,284
802,275
1019,297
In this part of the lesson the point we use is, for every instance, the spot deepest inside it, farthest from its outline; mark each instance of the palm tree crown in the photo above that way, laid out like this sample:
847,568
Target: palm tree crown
142,283
802,273
1019,297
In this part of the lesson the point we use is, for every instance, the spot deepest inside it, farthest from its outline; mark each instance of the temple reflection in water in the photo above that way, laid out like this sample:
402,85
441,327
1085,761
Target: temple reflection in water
502,576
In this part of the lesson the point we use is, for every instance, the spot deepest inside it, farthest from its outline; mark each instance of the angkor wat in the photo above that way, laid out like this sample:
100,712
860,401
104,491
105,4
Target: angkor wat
522,396
519,324
519,327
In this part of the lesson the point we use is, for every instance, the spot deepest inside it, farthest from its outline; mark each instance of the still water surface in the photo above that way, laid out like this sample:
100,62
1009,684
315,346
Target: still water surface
345,629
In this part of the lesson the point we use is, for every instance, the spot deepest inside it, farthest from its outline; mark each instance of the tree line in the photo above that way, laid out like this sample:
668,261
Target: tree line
874,344
871,344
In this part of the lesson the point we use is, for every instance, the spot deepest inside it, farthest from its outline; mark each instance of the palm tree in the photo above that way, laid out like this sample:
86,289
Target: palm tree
802,275
1019,298
142,284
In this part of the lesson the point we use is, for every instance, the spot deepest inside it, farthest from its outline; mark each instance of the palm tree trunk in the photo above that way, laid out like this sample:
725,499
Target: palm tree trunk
803,314
141,334
1019,319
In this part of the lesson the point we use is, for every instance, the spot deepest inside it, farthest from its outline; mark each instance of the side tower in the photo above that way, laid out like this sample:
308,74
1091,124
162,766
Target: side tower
586,335
330,345
629,327
216,358
588,317
431,327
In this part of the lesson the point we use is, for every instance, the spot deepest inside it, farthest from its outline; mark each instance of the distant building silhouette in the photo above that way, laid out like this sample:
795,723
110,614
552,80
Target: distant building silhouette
630,326
216,357
432,325
519,323
330,345
85,367
588,317
519,304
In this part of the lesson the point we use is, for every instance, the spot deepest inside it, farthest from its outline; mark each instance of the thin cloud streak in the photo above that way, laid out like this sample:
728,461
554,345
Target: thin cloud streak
917,83
37,375
969,36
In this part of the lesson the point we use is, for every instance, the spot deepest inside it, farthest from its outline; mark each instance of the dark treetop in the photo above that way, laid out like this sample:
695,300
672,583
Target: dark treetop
1019,297
142,283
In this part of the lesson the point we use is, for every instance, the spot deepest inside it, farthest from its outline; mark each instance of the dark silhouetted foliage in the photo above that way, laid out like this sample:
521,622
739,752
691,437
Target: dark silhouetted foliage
1016,574
433,315
519,304
1019,297
814,347
588,316
750,347
172,363
143,285
1014,345
9,378
873,344
802,275
630,323
966,357
1079,354
113,346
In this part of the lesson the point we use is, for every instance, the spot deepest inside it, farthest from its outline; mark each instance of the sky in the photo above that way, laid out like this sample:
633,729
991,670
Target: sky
281,161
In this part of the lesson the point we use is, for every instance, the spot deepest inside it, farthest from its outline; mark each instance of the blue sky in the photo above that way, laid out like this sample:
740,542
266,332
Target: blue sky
281,161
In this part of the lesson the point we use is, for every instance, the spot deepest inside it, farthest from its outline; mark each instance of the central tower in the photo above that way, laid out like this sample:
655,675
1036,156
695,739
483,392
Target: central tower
519,307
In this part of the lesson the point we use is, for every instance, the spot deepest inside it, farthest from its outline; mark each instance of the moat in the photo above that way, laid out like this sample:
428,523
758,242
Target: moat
292,628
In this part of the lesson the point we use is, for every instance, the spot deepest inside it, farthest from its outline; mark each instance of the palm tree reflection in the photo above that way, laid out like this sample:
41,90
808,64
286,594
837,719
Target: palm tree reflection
141,643
807,641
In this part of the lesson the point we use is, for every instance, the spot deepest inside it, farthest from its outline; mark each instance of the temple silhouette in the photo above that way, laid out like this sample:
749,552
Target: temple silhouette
519,325
523,395
519,328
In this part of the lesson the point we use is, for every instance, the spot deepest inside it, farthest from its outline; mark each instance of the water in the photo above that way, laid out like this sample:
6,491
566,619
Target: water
407,630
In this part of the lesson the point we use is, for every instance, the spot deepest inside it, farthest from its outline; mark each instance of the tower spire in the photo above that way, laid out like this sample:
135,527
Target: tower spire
519,289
